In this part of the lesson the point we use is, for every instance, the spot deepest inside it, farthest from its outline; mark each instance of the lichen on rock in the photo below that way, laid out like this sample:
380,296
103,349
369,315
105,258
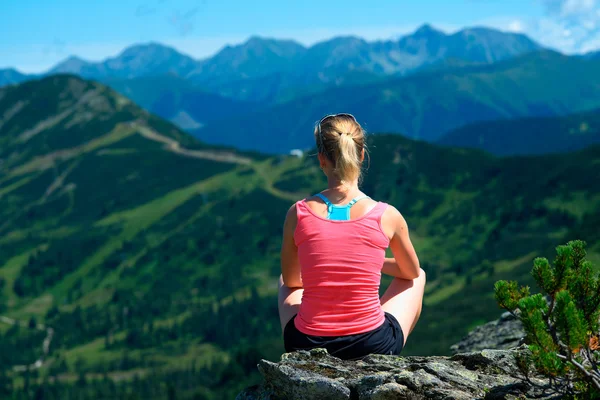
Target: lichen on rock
504,333
303,375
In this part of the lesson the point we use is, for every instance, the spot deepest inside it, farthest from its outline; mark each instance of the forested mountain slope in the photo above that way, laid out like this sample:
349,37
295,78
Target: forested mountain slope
529,135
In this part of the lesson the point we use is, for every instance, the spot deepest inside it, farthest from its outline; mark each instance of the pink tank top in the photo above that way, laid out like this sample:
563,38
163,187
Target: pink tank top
341,265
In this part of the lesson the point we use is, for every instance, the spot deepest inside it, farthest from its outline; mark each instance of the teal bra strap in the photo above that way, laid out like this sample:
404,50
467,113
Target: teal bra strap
354,200
325,199
339,213
327,202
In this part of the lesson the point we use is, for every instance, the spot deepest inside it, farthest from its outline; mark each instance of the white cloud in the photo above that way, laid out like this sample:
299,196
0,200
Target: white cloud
572,26
516,26
570,8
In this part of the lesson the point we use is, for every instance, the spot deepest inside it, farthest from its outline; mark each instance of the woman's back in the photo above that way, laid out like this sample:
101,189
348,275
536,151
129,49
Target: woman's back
332,258
341,265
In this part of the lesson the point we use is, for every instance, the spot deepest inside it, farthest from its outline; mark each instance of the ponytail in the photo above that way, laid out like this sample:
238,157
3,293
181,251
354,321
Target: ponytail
347,163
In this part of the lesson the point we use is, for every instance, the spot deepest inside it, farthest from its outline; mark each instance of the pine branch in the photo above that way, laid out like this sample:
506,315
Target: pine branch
593,376
592,360
554,334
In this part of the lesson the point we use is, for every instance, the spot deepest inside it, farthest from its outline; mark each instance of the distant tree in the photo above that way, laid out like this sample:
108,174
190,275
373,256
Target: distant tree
562,329
81,382
107,340
6,386
487,267
171,392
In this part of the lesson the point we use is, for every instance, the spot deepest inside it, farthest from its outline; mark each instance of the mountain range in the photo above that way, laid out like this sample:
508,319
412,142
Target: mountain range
146,250
325,61
350,59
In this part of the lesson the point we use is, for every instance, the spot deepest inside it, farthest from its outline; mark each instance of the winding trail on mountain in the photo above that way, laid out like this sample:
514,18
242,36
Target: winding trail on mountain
230,157
174,146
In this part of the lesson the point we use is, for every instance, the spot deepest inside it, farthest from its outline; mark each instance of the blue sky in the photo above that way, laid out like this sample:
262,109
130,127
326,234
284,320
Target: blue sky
39,33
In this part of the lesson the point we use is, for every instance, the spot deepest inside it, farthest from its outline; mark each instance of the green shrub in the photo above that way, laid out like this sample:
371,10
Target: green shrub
561,323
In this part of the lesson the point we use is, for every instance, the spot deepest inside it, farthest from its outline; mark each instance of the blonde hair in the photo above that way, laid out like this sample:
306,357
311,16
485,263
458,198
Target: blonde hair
342,140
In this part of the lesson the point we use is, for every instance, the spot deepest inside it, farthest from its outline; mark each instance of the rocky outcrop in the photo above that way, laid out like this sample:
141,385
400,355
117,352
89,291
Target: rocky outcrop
504,333
303,375
482,367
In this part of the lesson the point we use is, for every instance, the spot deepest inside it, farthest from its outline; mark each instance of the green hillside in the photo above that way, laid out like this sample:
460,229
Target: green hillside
529,135
425,105
154,258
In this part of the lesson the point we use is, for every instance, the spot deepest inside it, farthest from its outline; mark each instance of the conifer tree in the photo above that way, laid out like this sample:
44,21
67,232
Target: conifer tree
561,323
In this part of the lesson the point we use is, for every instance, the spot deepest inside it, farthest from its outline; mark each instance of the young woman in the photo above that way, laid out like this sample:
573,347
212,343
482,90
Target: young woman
333,254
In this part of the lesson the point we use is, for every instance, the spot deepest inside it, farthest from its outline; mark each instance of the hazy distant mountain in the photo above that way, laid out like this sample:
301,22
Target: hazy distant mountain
178,100
11,76
347,60
425,46
255,58
485,45
426,105
74,65
529,135
150,59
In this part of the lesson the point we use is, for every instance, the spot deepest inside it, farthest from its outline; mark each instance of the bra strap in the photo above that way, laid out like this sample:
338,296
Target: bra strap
341,212
325,199
354,200
327,202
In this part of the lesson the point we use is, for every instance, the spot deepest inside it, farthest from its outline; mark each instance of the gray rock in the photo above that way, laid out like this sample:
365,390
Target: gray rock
504,333
314,375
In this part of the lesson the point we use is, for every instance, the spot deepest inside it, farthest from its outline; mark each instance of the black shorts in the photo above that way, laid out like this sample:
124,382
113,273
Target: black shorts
386,339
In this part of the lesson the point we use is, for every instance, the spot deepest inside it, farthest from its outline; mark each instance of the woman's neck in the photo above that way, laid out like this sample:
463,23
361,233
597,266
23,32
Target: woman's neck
342,190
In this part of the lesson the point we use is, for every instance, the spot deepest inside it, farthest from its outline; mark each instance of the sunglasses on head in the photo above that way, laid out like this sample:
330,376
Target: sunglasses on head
334,116
321,143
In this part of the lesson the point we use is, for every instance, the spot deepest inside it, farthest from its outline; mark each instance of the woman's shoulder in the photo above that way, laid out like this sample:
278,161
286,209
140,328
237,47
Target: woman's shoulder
291,220
392,212
292,212
392,220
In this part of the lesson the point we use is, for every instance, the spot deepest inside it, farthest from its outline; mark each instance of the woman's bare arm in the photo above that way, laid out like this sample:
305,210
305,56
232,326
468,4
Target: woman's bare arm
290,266
405,264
